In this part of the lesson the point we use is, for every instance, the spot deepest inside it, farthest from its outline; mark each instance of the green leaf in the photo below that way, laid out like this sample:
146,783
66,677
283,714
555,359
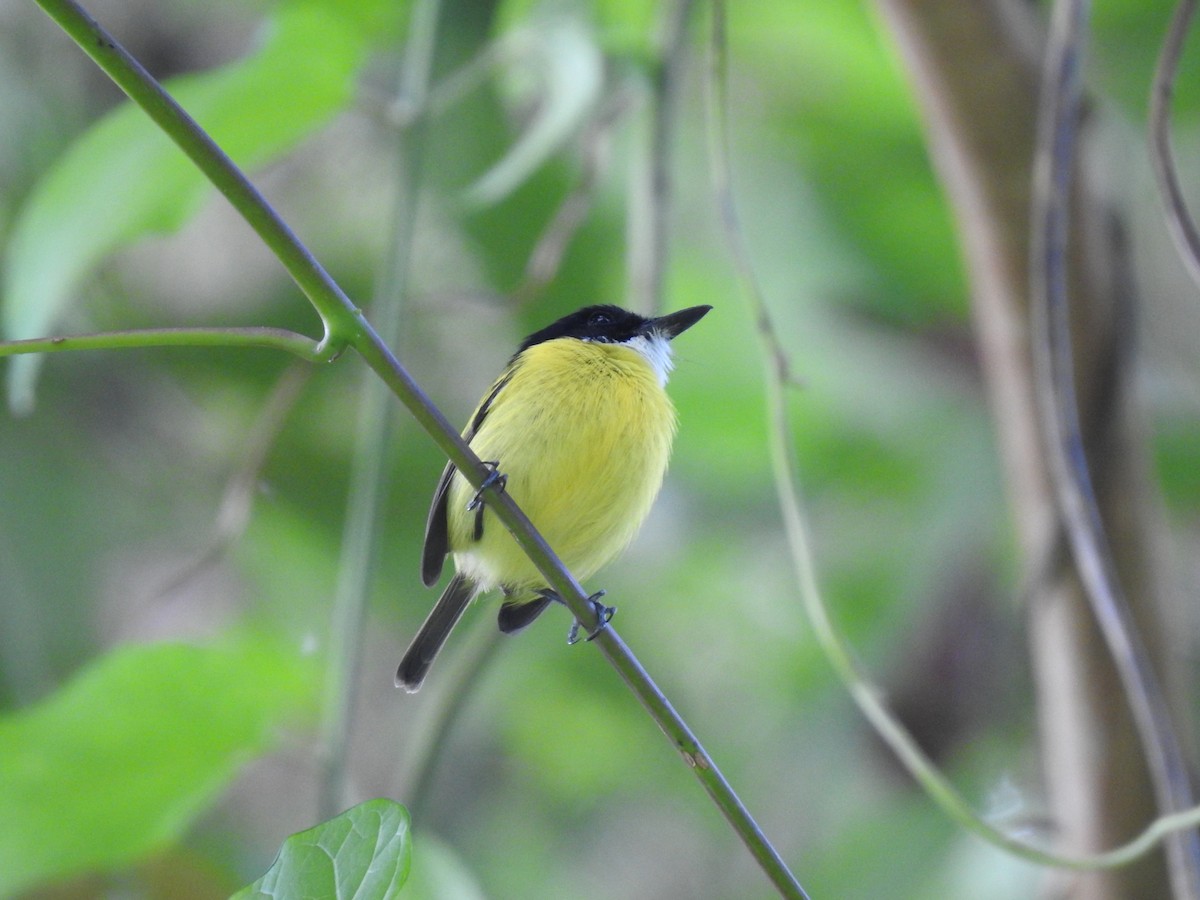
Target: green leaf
364,853
124,178
119,761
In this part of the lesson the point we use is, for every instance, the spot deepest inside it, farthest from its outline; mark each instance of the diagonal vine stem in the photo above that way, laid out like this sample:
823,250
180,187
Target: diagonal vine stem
346,326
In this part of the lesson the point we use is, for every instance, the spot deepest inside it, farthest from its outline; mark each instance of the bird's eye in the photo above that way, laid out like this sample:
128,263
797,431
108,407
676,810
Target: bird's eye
599,319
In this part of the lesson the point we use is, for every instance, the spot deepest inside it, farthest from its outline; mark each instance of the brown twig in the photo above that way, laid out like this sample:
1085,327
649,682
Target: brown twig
1054,365
1182,225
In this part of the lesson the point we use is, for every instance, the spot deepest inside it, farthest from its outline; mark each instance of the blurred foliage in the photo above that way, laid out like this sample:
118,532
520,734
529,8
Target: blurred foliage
552,782
255,109
119,761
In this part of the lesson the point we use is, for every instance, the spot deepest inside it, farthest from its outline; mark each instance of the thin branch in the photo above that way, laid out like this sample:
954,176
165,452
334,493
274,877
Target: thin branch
783,453
363,528
270,338
1182,225
345,324
701,764
1054,367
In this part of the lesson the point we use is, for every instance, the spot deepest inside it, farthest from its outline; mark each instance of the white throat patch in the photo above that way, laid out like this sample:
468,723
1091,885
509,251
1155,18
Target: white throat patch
656,348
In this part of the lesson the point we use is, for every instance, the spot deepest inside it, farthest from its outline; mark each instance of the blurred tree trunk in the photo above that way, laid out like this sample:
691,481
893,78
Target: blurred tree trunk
975,70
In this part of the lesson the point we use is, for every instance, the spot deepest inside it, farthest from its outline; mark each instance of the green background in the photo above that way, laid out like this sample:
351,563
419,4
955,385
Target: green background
164,682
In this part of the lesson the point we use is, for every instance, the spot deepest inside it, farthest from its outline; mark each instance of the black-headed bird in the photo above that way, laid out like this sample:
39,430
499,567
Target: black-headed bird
578,430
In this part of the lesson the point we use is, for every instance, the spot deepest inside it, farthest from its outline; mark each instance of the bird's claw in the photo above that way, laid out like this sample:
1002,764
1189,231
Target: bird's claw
603,615
495,478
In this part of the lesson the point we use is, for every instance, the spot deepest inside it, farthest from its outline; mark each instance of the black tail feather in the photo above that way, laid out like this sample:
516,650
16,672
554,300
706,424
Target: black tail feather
433,633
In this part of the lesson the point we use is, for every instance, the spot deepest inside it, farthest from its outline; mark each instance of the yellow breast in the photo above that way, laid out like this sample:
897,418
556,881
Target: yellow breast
583,432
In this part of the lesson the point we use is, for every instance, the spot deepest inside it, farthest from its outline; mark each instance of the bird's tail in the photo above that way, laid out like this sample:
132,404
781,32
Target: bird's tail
441,621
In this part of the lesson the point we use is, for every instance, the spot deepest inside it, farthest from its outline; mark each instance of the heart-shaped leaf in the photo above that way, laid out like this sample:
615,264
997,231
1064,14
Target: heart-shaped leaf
363,854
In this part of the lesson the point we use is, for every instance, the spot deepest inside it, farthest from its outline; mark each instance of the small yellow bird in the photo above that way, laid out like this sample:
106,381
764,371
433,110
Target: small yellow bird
578,430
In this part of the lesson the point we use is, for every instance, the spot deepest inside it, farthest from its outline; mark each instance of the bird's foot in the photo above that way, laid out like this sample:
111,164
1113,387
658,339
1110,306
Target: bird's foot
495,478
603,615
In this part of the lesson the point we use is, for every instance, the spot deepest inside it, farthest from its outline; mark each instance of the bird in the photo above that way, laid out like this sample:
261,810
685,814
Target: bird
578,431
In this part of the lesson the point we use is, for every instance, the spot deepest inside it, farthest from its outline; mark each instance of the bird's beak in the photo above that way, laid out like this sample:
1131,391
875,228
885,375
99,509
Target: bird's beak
676,323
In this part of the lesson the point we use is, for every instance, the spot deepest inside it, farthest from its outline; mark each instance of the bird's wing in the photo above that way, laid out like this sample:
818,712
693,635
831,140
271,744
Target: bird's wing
437,532
437,537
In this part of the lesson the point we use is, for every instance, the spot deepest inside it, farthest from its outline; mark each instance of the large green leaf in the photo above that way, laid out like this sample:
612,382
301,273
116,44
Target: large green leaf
364,853
118,762
123,178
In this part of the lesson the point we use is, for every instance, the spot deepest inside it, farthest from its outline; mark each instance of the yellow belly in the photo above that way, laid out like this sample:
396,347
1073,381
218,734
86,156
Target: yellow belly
583,432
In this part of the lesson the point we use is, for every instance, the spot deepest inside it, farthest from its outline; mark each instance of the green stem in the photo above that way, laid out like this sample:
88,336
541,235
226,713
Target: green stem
345,325
701,764
271,338
368,472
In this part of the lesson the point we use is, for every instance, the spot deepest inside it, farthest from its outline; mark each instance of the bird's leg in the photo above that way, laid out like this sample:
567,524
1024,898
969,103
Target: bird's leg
603,614
495,478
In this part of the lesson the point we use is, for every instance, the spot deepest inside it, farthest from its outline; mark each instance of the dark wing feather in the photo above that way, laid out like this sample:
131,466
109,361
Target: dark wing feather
437,532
